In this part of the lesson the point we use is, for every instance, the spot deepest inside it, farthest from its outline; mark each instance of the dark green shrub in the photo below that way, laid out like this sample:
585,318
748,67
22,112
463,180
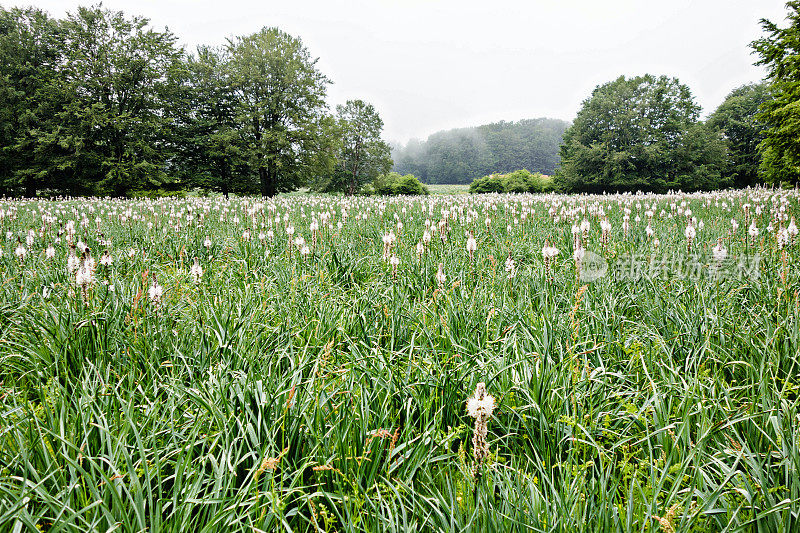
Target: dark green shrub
519,181
394,184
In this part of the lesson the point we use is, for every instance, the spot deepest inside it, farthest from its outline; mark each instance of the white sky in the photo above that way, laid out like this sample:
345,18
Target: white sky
438,64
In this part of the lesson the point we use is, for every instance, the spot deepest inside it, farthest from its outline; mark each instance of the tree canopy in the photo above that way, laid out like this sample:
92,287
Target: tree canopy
360,153
736,119
640,133
101,103
31,49
281,106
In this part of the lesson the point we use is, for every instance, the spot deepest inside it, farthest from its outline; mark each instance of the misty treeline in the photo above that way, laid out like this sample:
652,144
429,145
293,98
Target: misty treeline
99,103
639,133
460,155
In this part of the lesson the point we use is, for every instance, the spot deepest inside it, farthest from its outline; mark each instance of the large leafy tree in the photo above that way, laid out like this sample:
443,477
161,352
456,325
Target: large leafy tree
640,133
281,108
361,154
31,51
122,77
736,118
780,53
210,146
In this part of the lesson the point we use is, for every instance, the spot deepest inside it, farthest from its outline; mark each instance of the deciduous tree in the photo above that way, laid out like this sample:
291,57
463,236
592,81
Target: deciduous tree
640,133
736,118
281,107
361,154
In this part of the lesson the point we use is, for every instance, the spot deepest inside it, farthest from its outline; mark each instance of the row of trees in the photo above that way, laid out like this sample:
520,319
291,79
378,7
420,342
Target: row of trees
457,156
643,133
99,103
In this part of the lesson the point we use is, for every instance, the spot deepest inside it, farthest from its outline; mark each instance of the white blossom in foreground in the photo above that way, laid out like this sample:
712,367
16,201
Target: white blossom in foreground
480,407
155,291
690,234
72,263
84,277
792,230
480,403
196,271
549,252
472,245
753,230
719,252
440,277
511,266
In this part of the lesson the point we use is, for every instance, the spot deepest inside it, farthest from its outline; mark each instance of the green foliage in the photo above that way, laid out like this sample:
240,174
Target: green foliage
210,146
361,154
121,77
31,50
519,181
486,184
393,184
640,133
281,104
780,52
99,103
736,118
456,156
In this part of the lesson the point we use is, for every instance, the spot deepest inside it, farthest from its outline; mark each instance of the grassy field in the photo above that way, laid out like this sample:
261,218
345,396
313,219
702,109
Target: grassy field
448,189
304,364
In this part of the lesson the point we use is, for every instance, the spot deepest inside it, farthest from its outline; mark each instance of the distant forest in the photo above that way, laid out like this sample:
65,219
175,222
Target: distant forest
460,155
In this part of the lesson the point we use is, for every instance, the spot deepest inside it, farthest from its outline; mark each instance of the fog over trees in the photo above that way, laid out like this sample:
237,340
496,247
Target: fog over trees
463,154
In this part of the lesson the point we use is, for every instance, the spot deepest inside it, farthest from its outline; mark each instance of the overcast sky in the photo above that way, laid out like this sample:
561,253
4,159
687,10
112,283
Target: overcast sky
429,65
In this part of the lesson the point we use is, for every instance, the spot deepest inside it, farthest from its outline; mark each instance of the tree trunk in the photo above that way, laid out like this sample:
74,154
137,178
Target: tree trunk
262,176
270,186
226,178
30,188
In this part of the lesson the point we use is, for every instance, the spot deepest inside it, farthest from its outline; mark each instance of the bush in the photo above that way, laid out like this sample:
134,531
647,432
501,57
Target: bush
393,184
519,181
493,183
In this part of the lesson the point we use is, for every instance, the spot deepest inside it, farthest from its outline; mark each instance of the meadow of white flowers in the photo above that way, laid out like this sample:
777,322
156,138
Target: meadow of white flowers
303,363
